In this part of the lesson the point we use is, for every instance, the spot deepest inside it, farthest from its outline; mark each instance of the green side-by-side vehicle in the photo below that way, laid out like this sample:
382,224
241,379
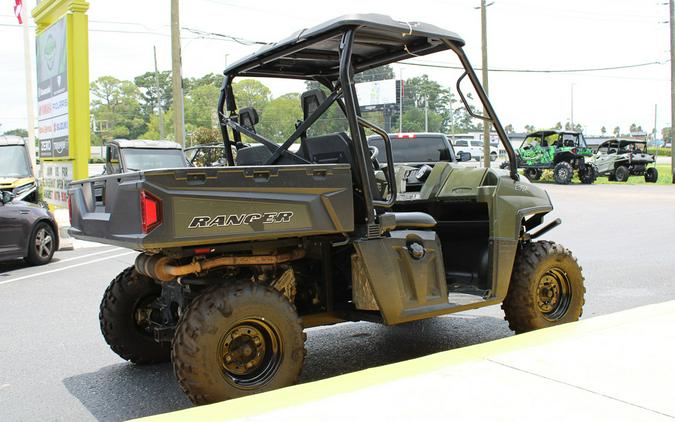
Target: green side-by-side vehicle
234,262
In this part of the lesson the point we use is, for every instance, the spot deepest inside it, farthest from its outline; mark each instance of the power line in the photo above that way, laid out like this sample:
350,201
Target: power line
594,69
241,41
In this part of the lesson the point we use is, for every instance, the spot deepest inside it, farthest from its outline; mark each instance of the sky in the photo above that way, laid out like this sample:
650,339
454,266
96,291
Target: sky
522,35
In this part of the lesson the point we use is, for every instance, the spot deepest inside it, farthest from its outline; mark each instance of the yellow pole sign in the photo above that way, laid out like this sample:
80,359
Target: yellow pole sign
63,94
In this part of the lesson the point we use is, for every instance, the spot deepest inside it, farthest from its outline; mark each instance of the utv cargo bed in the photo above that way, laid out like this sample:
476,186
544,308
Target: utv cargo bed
187,207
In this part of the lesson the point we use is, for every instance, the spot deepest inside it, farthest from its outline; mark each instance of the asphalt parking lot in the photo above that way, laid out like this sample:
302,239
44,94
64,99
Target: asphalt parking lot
56,366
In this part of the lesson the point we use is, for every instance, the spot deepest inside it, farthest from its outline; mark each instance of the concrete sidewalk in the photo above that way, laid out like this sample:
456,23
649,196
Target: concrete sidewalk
614,367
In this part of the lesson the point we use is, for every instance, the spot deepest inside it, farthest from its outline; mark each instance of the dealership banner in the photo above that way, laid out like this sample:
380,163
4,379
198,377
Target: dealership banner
52,75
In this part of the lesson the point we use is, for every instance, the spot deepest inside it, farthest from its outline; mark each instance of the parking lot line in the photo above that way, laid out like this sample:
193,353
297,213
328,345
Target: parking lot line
60,261
66,268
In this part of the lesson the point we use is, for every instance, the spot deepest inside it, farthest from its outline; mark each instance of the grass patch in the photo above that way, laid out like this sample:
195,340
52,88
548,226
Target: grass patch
665,178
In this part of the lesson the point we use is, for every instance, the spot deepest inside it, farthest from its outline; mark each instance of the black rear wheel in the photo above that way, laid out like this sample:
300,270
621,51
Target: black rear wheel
533,174
651,175
236,340
125,318
588,174
547,288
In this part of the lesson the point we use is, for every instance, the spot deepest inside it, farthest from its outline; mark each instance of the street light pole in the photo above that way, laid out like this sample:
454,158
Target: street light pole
176,76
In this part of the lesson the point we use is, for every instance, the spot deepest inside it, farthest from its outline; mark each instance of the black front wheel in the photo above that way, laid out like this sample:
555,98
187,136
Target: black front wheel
651,175
621,174
562,173
126,318
236,340
547,288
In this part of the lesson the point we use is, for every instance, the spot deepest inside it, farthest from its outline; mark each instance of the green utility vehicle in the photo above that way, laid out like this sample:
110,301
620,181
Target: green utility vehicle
561,151
618,159
236,261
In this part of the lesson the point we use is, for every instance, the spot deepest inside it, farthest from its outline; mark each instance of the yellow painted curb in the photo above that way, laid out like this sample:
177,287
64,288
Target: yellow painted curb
317,390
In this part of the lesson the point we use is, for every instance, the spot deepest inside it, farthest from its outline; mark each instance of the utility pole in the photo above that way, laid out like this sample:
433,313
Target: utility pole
176,76
160,112
672,90
400,111
486,124
30,94
426,114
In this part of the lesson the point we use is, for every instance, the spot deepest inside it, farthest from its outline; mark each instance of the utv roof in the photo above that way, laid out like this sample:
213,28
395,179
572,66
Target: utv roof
622,142
144,143
11,140
546,133
313,52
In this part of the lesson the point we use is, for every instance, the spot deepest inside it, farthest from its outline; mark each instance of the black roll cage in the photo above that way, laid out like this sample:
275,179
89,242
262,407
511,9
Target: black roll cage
342,91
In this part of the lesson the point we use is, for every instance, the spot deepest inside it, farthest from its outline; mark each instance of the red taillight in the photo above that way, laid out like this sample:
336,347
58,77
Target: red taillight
70,211
406,135
151,211
203,251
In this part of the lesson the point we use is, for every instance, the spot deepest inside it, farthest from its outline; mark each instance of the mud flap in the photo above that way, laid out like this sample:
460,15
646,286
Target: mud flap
403,273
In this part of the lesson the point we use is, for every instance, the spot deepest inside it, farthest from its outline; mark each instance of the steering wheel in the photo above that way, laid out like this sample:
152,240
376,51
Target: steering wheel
373,156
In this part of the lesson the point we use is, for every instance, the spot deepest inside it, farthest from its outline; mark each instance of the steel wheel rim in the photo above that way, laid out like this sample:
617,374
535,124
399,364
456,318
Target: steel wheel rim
250,353
554,294
43,243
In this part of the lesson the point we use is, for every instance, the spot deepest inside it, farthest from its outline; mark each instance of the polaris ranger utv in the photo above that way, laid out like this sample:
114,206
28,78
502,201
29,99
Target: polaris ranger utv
236,261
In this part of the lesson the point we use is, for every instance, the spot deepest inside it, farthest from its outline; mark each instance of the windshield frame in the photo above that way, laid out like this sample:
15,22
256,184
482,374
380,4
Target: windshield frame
26,161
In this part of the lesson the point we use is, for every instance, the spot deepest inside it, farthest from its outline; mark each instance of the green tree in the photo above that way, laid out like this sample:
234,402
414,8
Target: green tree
204,135
280,115
617,131
558,126
376,74
603,131
212,79
200,107
252,93
17,132
509,128
667,133
116,109
150,95
529,128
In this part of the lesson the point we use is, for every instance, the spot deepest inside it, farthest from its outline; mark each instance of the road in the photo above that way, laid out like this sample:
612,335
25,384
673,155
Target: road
56,366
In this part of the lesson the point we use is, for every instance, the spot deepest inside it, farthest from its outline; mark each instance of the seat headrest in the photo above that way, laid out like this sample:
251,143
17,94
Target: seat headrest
248,117
310,101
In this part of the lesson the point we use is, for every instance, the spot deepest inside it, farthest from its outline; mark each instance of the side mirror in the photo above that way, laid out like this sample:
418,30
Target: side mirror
464,156
7,197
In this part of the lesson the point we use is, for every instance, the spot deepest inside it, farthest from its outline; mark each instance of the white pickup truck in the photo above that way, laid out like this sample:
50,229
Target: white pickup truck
473,146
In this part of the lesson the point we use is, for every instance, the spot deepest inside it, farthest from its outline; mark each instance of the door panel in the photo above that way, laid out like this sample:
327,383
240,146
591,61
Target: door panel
10,229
